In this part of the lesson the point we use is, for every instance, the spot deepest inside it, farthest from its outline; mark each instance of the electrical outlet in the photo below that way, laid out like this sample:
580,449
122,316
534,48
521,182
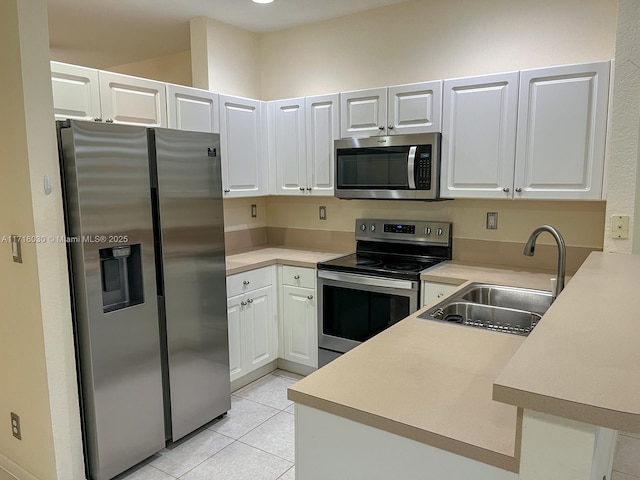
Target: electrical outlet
492,220
322,212
15,426
254,210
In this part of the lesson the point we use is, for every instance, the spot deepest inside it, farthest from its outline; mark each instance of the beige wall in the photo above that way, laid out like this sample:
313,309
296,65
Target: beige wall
174,68
37,367
581,223
225,58
432,39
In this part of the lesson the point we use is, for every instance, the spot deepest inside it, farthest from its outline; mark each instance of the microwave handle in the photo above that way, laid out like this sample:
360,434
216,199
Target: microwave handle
411,163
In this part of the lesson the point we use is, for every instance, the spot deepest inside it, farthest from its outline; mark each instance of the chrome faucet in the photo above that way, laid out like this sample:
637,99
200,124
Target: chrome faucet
530,247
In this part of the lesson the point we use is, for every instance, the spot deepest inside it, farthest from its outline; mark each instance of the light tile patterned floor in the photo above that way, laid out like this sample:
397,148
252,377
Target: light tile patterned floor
255,441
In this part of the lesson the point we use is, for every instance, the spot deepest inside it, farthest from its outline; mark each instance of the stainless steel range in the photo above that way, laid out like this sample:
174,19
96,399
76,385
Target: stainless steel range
361,294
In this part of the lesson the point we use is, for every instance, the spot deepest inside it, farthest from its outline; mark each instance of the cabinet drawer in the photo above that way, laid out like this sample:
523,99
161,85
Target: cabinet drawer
299,276
247,281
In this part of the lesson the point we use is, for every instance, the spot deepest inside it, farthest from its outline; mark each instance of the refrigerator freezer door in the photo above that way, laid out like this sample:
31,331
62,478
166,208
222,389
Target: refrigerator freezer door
192,226
108,203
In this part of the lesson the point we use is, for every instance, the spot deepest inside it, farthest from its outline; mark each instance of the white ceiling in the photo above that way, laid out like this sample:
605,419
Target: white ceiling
104,33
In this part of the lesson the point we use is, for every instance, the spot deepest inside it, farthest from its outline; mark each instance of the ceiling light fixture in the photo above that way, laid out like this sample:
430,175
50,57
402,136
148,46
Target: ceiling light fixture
262,1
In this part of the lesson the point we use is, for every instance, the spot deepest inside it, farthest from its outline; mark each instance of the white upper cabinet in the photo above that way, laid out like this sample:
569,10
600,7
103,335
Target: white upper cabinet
397,110
479,136
562,120
363,113
76,93
132,100
287,118
322,129
192,109
241,145
301,136
415,108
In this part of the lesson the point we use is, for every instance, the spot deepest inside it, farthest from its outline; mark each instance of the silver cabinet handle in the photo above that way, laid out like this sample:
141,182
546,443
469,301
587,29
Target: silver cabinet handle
505,189
227,190
518,190
310,297
243,303
297,277
440,295
390,127
109,120
250,300
97,119
309,188
380,127
246,282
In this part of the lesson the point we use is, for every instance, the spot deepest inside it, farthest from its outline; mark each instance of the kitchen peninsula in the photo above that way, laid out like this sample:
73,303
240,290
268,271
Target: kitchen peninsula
443,401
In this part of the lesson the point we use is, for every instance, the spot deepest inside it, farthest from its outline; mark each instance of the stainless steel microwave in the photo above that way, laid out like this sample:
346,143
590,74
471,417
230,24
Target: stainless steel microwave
398,167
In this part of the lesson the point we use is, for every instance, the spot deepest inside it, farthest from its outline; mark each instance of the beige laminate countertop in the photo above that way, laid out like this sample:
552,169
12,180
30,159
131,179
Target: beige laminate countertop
582,361
263,257
430,381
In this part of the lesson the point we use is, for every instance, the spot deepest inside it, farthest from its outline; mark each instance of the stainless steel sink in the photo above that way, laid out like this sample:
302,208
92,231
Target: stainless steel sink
537,301
494,307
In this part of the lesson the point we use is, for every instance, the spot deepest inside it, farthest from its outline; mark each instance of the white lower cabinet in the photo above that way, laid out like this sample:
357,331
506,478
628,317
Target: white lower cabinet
253,334
298,315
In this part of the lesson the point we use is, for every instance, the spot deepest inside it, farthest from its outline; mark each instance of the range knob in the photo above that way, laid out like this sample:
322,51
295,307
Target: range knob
439,232
372,227
363,227
427,231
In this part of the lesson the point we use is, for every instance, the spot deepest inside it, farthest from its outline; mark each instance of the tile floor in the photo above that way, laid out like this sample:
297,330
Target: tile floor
255,441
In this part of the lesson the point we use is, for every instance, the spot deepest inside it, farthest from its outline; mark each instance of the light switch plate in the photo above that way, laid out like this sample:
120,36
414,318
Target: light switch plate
322,212
620,226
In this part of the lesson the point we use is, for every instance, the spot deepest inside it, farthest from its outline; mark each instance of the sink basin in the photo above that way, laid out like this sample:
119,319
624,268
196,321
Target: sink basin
494,307
537,301
500,319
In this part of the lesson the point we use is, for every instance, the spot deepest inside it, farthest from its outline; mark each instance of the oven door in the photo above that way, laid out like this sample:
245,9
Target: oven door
353,308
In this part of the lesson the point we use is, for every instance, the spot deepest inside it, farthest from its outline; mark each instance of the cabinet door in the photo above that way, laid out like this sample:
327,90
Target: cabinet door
415,108
260,328
562,117
363,113
479,136
132,100
235,311
299,324
434,291
323,127
289,146
76,92
192,109
241,146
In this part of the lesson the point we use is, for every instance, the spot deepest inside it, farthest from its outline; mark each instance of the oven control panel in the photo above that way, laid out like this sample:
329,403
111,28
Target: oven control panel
424,232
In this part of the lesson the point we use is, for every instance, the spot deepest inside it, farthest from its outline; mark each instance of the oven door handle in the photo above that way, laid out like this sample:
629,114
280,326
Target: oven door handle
369,281
411,167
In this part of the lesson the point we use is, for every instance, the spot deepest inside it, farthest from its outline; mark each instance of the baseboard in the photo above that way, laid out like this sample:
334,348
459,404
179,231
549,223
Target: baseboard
294,367
14,470
238,383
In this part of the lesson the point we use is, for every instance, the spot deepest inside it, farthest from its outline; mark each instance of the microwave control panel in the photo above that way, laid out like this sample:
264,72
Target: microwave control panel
423,168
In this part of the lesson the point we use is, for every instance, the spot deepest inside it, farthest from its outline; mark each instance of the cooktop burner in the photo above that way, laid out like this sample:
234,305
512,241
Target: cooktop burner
368,262
404,267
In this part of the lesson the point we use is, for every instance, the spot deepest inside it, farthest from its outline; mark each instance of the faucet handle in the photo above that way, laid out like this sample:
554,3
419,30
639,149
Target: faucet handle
554,287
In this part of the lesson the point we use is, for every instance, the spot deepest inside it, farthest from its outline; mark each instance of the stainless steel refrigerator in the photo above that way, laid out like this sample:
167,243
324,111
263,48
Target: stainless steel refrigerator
146,236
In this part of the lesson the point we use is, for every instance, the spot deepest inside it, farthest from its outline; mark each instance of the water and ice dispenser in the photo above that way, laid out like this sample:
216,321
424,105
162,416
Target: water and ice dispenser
121,273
